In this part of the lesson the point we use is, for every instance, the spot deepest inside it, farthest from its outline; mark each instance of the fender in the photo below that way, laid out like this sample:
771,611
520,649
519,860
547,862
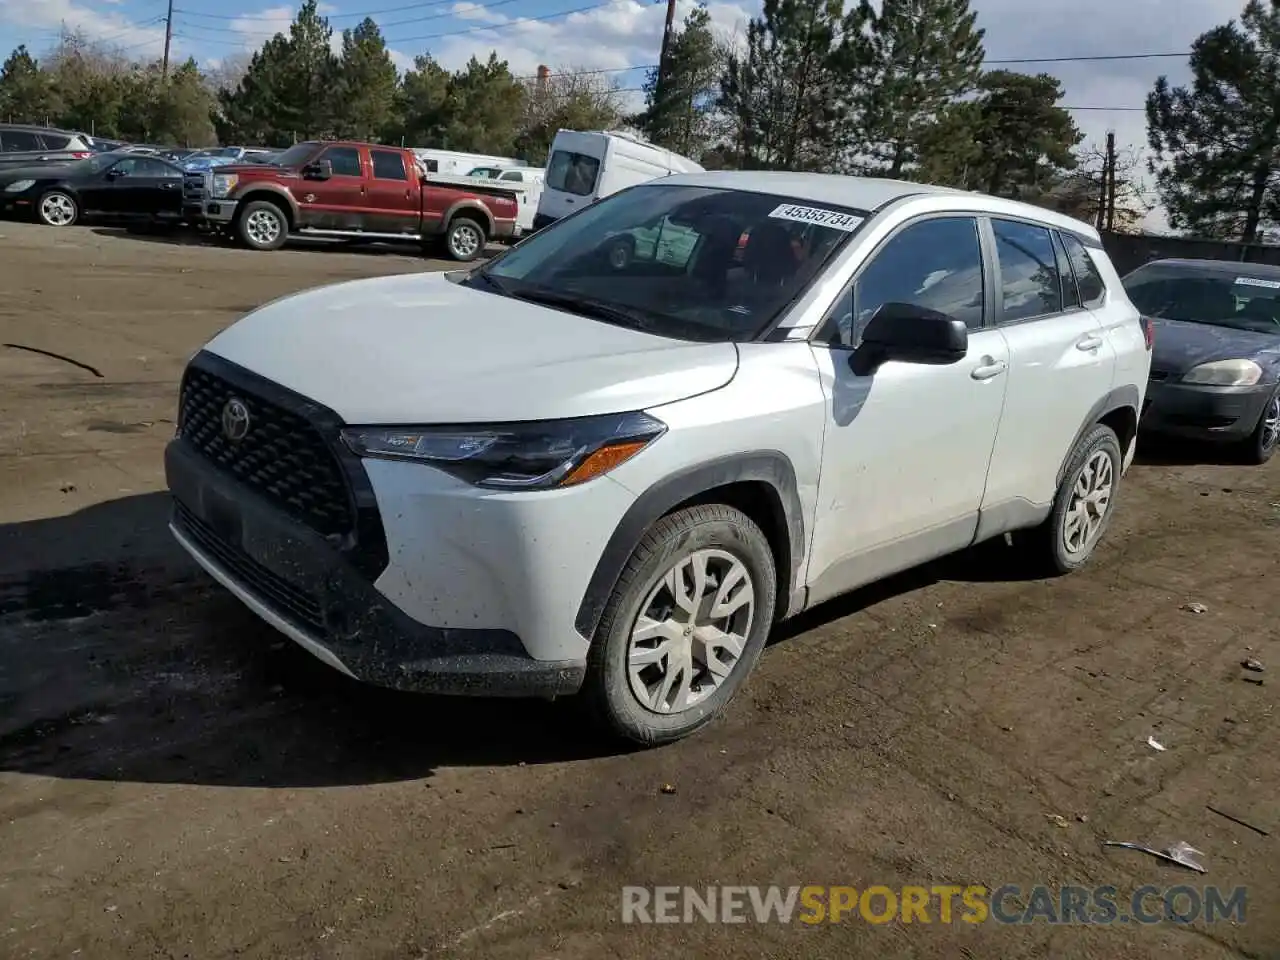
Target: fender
1117,399
770,467
275,189
469,205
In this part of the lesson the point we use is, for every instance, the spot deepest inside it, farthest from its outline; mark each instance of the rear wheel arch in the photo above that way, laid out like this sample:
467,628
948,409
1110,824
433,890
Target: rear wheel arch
760,484
472,211
1117,410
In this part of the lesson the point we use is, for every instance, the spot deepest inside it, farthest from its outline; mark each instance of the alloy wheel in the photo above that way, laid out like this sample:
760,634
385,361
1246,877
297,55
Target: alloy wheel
262,227
1090,500
465,241
691,632
57,210
1271,423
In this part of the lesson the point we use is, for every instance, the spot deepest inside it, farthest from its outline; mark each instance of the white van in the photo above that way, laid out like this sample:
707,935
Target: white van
530,178
460,164
586,165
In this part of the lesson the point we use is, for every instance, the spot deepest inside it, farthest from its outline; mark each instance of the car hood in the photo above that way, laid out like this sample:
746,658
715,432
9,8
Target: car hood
1181,345
421,349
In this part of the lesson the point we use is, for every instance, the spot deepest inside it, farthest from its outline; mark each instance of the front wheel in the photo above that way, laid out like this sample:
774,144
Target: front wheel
685,625
1264,440
57,209
1083,505
262,226
464,239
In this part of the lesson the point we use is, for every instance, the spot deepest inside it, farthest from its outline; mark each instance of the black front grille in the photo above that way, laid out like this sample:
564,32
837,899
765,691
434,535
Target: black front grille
281,456
279,594
193,186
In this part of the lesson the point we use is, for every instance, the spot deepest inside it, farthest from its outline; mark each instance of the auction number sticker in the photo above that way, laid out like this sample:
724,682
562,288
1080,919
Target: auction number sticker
1255,282
817,216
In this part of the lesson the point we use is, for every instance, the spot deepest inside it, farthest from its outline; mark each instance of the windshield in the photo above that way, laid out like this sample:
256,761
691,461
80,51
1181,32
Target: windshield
697,263
1232,299
296,155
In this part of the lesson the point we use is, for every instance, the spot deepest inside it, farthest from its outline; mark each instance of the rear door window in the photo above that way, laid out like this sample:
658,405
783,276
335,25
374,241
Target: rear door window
574,173
345,161
18,141
1028,271
387,165
512,175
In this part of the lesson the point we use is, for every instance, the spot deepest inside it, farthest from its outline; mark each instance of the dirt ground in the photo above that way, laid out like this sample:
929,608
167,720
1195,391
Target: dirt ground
176,780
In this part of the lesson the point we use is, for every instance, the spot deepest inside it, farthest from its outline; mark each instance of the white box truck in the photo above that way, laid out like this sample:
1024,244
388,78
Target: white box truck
586,165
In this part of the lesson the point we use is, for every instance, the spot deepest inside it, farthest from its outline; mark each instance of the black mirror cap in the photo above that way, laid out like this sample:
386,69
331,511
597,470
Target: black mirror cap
318,170
915,334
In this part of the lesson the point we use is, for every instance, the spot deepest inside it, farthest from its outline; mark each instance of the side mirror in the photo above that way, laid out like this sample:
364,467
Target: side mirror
318,170
910,334
114,174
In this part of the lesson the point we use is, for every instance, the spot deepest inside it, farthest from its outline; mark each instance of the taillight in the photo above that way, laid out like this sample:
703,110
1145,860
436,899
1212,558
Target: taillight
82,154
1149,331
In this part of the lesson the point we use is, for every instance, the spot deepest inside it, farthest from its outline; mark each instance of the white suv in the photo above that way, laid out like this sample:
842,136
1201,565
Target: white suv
571,471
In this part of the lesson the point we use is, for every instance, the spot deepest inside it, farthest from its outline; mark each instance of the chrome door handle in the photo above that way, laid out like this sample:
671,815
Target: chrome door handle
1089,343
990,368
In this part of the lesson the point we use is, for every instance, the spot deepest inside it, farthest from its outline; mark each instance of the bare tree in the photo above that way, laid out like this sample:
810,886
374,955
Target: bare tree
571,99
227,73
1079,192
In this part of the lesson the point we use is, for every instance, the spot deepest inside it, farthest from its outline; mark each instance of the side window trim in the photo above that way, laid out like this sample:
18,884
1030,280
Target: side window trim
995,263
820,335
399,159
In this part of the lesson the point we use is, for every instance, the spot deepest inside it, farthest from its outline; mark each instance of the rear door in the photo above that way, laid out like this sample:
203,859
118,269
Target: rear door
1061,366
338,202
573,173
391,194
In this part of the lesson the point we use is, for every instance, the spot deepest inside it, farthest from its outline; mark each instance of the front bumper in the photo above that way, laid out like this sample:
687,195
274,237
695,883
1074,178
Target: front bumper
1203,412
298,582
214,212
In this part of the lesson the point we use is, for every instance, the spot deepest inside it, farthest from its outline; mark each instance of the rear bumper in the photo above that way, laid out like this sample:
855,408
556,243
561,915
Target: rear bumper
1203,412
504,229
295,580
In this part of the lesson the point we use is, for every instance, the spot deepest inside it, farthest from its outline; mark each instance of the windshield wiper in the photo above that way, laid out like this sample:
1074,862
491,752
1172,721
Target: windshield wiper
587,306
494,284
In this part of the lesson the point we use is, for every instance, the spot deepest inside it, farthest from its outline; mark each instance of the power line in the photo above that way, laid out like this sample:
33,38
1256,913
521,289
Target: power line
335,16
268,34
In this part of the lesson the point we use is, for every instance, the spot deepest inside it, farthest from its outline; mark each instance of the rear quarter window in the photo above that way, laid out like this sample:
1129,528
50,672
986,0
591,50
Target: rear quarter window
1088,279
55,141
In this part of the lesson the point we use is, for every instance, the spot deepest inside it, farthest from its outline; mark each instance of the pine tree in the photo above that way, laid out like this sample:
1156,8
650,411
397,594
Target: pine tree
422,103
305,104
924,55
680,105
784,96
1217,142
26,91
485,106
367,84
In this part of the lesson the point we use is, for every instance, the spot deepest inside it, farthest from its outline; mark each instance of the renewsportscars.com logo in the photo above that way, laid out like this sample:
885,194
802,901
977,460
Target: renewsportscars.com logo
945,904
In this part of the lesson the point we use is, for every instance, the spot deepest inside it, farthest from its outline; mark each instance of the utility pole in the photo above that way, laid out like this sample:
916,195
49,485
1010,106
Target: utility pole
168,39
1106,199
660,88
1111,181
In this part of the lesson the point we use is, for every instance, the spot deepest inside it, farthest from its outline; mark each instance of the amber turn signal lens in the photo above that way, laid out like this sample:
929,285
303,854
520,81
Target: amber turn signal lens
602,461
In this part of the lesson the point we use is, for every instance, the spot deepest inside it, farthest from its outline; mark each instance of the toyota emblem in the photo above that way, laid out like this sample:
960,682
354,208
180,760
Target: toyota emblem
235,420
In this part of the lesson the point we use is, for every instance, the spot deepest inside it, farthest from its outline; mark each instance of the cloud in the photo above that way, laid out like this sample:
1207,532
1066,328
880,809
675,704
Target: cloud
140,39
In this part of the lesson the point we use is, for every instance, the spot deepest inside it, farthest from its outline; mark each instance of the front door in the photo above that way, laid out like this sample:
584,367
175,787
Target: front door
907,447
1060,364
151,188
337,202
392,197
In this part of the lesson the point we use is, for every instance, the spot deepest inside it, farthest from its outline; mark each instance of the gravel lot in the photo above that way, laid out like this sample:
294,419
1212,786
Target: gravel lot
176,780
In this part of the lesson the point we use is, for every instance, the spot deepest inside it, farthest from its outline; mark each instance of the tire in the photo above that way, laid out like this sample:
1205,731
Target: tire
254,226
1265,439
464,240
1047,544
727,541
621,252
57,208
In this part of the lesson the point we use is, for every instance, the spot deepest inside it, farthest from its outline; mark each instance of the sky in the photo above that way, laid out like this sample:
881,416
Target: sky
614,35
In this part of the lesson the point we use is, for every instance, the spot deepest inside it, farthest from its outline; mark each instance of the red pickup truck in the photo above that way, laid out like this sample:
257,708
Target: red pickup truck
353,191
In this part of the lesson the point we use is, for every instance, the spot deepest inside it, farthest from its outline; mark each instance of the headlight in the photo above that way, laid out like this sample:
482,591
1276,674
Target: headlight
1225,373
223,184
523,456
19,185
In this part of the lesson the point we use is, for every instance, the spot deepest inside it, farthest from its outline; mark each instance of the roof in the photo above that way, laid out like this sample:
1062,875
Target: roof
869,193
1266,271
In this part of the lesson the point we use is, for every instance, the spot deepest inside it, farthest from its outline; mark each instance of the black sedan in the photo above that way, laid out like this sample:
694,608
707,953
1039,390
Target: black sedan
114,186
1215,366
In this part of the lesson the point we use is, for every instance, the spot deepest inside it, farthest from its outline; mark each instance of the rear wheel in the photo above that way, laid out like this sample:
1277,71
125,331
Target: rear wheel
262,226
1264,440
1083,506
685,625
57,209
464,239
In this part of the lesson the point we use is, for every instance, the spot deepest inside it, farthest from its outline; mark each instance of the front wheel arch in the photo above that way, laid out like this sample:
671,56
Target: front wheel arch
761,484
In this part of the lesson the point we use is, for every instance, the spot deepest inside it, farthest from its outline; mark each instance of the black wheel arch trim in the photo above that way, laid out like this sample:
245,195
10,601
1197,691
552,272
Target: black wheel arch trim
1120,398
770,467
